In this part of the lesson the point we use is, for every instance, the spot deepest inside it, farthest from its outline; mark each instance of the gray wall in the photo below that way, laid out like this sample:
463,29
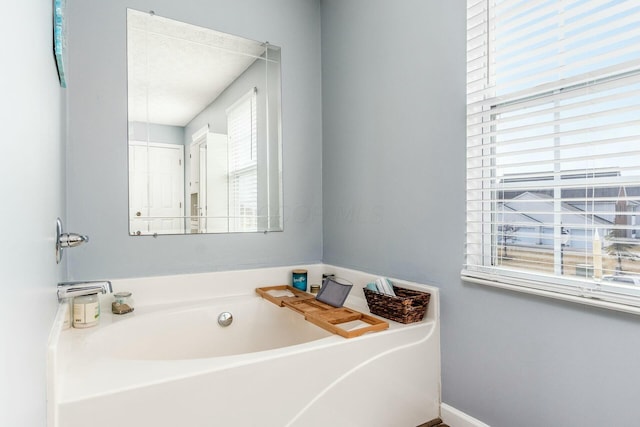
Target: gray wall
394,200
32,189
167,134
97,170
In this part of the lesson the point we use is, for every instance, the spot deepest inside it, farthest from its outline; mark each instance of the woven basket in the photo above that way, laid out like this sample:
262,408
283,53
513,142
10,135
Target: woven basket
408,306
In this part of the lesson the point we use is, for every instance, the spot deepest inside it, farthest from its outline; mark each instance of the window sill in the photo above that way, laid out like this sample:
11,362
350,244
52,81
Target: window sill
521,286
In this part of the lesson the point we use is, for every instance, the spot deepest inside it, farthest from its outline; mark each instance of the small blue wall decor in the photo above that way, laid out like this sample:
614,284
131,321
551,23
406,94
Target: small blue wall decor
59,39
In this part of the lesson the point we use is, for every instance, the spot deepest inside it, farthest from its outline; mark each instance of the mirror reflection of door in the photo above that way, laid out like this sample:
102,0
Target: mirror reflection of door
208,186
156,173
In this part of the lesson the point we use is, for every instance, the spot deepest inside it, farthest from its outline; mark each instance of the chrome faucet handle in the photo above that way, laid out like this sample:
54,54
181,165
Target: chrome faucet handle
66,240
71,240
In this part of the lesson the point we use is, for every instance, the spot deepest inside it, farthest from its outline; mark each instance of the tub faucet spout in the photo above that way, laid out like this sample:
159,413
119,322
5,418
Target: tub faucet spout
75,289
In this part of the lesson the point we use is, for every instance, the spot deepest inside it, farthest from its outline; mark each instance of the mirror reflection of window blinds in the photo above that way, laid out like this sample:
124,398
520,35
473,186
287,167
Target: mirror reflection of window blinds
243,165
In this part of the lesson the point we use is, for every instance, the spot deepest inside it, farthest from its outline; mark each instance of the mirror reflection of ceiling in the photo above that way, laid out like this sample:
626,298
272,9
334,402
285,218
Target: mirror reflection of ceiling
175,68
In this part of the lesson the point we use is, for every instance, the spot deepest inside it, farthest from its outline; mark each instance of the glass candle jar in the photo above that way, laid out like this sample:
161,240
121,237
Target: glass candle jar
123,303
299,279
86,311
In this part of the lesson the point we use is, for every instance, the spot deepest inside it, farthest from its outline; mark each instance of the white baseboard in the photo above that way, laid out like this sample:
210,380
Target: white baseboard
456,418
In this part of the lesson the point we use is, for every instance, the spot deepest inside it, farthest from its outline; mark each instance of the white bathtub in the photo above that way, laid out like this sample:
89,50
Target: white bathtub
169,363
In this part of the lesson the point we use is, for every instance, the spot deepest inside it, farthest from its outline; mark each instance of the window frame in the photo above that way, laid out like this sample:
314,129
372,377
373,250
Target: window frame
581,290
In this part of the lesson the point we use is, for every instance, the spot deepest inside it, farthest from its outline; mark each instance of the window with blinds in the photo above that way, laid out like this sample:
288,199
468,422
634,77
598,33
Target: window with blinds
553,148
243,164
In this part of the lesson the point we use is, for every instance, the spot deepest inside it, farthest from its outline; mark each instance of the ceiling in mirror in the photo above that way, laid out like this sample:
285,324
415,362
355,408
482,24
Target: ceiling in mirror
208,102
189,66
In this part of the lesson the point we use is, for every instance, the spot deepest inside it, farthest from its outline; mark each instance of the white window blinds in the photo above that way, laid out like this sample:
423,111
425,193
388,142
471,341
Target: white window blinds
553,146
243,164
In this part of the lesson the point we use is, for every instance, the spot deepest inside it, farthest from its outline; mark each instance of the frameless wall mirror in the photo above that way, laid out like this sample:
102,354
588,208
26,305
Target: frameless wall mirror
204,130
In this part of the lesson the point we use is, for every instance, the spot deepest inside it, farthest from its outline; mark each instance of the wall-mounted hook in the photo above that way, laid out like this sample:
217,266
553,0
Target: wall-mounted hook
66,240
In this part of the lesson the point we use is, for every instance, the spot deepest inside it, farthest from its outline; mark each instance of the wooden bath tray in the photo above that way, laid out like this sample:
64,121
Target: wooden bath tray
298,295
324,315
